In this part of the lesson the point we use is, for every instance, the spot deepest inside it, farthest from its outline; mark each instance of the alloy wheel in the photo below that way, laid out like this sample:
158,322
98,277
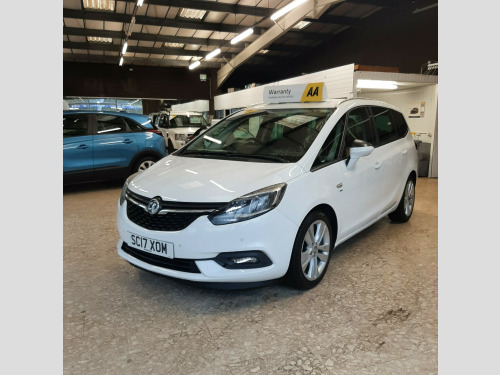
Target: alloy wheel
409,198
315,250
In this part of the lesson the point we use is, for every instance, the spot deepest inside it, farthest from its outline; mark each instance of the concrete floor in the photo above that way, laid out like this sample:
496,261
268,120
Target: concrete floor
375,312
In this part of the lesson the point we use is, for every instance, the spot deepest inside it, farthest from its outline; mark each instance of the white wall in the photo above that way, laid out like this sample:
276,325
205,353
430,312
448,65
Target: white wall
196,106
338,81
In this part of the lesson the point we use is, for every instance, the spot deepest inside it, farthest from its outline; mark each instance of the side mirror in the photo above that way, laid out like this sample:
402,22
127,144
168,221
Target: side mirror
358,149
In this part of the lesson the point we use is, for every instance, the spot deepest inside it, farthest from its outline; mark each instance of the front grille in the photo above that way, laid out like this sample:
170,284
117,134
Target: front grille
177,264
172,221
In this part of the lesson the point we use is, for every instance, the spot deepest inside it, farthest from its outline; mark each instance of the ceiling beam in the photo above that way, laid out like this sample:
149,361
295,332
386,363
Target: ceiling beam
259,59
257,62
135,60
78,31
213,6
136,49
314,7
376,3
156,21
337,20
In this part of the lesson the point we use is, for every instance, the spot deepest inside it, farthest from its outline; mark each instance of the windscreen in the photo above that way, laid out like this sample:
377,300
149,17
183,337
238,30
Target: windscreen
184,121
276,135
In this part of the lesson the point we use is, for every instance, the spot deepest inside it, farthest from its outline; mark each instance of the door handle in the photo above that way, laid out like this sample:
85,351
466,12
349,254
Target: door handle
378,165
128,141
405,152
83,147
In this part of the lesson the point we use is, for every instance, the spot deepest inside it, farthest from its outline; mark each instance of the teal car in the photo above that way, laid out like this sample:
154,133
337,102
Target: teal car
101,146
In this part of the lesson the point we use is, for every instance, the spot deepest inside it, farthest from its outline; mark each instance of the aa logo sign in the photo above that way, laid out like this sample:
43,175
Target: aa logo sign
313,93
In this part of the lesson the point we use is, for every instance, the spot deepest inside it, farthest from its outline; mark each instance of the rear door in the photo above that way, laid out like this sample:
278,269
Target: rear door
78,162
391,155
115,145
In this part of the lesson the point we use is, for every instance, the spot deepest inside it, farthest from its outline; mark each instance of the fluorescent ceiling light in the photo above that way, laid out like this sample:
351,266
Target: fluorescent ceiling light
286,9
139,3
121,61
99,39
242,36
131,26
192,13
301,25
194,65
263,51
214,53
174,45
124,49
99,4
374,84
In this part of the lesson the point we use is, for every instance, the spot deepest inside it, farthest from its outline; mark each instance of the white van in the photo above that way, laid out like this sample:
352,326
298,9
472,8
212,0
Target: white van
176,126
270,190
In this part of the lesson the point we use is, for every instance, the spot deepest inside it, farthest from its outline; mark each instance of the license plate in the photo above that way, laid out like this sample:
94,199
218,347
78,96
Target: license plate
152,246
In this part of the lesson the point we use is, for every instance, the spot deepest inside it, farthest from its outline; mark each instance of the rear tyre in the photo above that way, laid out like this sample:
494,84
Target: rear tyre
143,163
311,251
405,208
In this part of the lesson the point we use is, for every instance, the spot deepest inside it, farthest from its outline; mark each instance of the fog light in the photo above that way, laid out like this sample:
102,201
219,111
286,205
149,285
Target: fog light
243,259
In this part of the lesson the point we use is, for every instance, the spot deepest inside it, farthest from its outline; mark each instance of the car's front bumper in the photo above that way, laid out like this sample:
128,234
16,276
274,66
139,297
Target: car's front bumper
272,233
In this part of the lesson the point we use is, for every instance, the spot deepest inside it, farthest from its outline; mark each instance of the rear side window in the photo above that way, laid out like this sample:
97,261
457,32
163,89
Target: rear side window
111,124
400,120
134,126
386,128
75,125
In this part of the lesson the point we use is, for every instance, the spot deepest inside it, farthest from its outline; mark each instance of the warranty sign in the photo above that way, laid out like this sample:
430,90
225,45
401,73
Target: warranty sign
307,92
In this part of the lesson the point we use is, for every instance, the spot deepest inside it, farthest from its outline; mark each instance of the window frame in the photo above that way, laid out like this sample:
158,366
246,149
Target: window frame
129,121
375,129
90,127
370,119
128,130
340,156
400,126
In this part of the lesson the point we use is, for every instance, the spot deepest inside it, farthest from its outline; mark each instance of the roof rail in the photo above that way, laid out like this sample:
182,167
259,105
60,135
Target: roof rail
347,99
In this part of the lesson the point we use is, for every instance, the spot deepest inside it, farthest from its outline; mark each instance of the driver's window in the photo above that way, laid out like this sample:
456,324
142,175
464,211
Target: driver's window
358,127
330,150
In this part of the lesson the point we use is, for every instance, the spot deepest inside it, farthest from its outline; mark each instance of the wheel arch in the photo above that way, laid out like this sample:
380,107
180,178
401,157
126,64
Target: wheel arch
413,176
332,216
156,155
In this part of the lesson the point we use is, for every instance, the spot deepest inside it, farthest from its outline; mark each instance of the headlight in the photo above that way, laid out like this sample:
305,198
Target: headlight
180,137
125,187
249,206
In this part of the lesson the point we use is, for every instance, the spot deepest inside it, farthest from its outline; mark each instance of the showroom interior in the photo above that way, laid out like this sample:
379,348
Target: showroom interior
376,309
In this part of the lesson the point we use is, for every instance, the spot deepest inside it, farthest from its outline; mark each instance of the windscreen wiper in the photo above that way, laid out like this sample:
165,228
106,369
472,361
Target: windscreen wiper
257,156
233,154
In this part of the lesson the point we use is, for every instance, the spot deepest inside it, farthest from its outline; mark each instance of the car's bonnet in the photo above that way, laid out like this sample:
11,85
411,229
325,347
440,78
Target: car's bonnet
189,179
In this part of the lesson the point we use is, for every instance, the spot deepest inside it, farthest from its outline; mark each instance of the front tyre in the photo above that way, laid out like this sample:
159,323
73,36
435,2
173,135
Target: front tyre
311,251
405,208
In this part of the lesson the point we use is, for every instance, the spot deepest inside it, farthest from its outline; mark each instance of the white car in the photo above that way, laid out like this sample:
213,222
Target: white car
176,126
269,192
